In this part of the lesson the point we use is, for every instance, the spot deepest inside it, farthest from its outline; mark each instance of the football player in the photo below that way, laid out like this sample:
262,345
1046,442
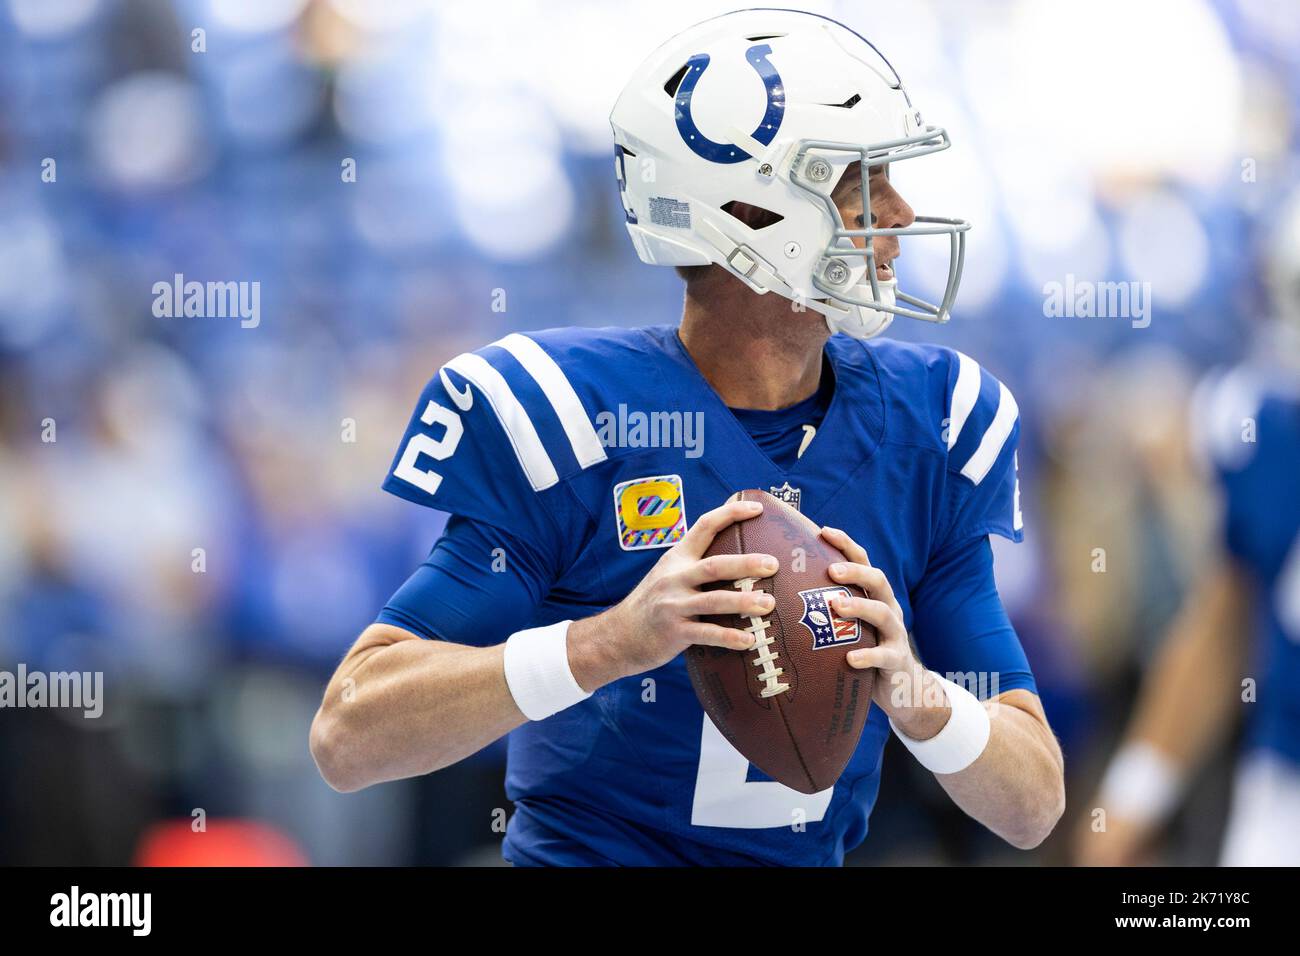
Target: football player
585,473
1234,648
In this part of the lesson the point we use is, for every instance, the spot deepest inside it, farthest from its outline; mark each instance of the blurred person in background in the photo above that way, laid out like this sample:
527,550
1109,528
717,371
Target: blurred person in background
1130,528
1233,651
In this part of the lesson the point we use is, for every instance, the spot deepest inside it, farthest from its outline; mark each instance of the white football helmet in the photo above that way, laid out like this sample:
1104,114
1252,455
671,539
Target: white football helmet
769,108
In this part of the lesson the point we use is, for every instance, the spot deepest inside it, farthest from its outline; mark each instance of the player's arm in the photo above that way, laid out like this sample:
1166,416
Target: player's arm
997,758
1017,786
1013,779
399,706
387,712
1186,707
1189,694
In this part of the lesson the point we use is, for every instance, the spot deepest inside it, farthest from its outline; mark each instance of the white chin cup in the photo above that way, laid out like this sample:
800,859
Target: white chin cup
860,321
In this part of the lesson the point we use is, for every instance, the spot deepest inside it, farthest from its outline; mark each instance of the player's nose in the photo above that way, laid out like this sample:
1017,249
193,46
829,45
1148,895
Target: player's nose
892,211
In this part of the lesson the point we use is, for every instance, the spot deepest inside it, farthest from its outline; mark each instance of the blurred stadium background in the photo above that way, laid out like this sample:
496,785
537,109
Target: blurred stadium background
1109,140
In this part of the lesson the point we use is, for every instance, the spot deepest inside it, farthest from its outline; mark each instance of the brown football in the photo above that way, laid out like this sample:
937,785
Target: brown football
791,705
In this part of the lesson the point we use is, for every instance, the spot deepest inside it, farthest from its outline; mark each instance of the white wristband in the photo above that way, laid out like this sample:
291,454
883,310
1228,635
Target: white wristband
1141,784
962,739
537,671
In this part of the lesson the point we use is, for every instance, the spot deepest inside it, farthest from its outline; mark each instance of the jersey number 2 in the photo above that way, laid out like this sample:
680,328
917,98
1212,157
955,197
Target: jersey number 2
724,798
439,449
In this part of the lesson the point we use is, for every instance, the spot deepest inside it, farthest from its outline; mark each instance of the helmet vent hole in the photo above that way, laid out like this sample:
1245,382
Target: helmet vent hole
675,80
755,217
848,104
764,36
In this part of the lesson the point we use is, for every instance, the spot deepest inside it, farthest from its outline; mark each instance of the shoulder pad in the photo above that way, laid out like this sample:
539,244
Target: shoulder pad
491,372
979,418
493,429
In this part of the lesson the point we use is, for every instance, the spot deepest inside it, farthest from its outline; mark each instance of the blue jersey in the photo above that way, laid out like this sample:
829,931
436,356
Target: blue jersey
1250,420
571,458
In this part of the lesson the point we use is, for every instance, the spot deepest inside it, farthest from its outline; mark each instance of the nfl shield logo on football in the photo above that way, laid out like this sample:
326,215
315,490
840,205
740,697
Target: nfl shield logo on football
827,629
787,494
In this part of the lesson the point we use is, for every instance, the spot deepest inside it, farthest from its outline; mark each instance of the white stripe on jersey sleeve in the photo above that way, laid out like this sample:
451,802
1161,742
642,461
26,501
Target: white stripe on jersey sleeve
568,407
964,394
537,465
1018,519
994,438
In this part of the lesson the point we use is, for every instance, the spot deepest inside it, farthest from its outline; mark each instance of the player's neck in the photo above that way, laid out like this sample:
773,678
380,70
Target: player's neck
756,351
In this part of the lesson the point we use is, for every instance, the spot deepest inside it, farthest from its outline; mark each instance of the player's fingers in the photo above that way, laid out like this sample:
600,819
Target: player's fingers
880,587
876,613
870,579
707,525
865,576
862,658
729,567
714,635
722,601
848,547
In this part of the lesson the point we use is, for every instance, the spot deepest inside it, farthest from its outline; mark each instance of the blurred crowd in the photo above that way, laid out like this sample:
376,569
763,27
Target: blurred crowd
192,506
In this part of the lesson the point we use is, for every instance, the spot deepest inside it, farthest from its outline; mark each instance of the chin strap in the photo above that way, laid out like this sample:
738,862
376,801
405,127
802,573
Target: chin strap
875,328
756,273
753,268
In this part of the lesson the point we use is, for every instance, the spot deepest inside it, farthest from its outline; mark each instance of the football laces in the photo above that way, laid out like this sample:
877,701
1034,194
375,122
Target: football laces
764,657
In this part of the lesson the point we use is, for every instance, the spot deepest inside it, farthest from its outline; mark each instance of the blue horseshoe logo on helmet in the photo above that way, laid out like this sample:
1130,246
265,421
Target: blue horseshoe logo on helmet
706,148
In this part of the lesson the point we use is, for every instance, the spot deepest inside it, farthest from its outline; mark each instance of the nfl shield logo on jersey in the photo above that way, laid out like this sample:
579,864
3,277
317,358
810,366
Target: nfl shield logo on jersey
827,629
787,494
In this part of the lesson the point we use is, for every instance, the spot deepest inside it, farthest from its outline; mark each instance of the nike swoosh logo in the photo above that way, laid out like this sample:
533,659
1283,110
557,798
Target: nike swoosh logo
464,400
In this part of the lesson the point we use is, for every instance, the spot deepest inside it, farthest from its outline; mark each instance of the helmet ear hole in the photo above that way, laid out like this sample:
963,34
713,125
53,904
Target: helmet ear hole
755,217
675,81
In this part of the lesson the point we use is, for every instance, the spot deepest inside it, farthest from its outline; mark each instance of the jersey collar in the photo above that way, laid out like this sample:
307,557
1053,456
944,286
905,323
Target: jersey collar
849,434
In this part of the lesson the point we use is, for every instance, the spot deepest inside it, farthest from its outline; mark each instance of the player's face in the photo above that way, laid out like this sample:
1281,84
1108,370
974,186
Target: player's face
888,211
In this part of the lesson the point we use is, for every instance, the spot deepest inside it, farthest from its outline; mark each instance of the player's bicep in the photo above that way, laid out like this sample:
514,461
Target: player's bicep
478,586
961,628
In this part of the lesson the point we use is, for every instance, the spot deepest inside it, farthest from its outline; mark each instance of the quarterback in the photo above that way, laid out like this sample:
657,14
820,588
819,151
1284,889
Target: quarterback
753,153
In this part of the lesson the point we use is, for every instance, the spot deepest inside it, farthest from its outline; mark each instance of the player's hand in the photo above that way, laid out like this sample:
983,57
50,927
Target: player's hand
660,618
899,674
